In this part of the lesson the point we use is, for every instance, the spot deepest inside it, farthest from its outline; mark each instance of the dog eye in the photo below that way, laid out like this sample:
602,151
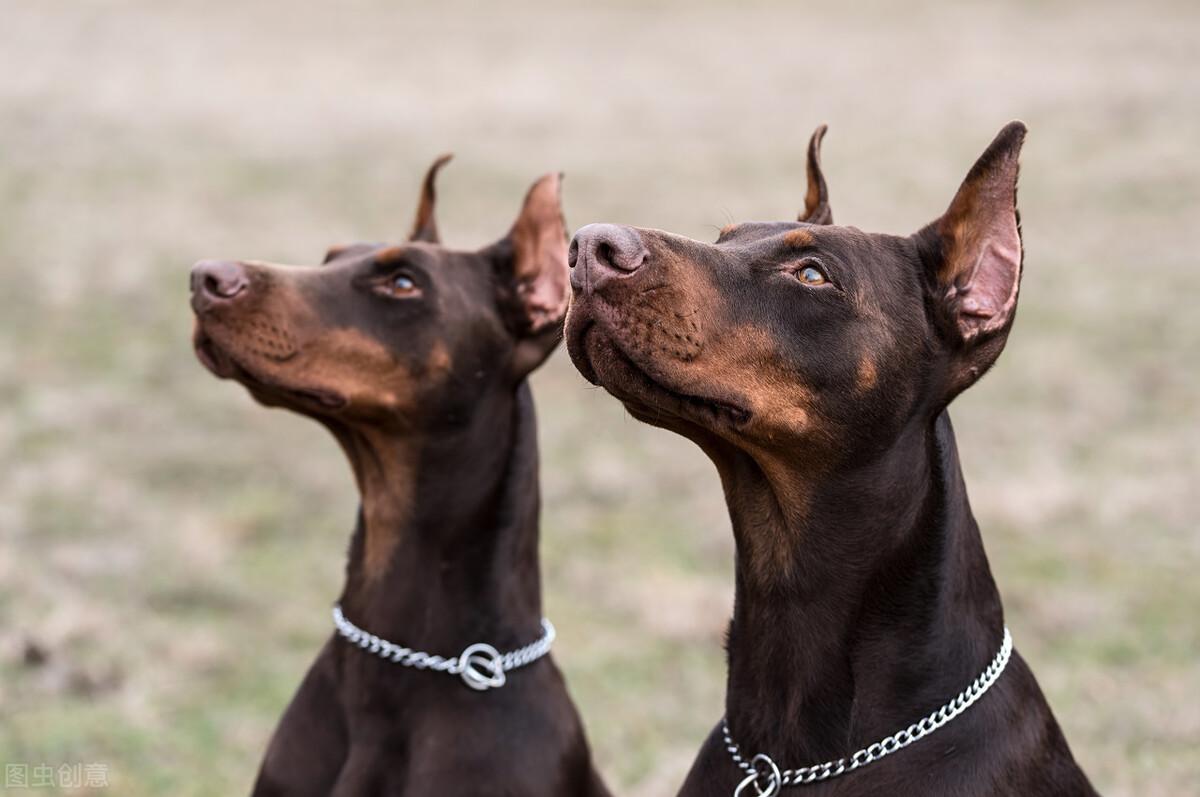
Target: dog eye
399,286
811,275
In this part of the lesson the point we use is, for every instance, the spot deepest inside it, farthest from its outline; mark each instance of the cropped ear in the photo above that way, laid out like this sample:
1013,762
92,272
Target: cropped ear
973,256
533,282
425,225
816,201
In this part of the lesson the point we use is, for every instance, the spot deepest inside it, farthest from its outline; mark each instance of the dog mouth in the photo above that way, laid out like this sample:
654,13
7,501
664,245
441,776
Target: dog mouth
603,362
224,365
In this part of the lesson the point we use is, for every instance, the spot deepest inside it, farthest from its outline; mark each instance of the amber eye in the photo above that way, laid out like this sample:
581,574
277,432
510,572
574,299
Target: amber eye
811,275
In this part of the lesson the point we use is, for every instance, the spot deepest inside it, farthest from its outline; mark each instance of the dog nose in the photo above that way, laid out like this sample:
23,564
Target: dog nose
600,252
217,282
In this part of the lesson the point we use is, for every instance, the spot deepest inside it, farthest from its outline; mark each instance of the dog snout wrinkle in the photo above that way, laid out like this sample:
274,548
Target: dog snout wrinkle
655,333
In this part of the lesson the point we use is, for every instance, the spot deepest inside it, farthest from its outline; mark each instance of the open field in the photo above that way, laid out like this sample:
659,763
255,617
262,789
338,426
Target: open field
168,549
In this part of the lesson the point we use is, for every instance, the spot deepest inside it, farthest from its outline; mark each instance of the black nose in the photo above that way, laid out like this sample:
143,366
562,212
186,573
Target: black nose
602,252
217,282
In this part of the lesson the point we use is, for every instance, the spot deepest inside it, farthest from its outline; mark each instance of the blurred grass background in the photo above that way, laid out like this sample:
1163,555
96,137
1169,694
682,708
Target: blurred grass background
168,549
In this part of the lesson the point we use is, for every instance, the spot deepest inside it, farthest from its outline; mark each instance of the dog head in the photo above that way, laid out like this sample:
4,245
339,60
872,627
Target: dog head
401,336
802,337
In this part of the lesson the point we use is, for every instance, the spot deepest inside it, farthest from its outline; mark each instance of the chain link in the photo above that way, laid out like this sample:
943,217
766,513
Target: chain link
775,777
480,665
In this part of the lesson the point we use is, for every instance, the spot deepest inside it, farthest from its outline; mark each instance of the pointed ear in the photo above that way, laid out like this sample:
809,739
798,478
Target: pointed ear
973,256
816,201
425,226
532,275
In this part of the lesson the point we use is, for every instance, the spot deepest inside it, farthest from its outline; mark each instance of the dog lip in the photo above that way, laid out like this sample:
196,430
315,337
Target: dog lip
328,399
687,406
708,407
225,366
209,355
691,407
579,352
205,355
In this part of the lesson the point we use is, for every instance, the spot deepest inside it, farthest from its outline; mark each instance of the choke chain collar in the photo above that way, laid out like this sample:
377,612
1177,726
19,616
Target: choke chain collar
767,779
480,665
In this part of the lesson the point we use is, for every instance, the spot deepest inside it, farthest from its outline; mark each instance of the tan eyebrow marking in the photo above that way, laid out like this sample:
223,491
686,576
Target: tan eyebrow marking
389,254
798,238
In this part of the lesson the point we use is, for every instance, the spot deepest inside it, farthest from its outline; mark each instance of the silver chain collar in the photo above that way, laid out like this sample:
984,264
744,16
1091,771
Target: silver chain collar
767,778
480,665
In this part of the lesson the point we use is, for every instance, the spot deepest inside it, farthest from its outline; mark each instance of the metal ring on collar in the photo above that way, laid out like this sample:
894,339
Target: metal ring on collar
481,667
771,773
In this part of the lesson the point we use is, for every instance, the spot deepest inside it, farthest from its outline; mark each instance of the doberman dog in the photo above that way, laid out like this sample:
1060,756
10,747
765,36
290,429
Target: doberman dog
415,357
814,364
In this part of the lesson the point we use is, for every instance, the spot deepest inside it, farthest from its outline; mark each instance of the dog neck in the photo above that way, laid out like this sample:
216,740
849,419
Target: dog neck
863,600
444,553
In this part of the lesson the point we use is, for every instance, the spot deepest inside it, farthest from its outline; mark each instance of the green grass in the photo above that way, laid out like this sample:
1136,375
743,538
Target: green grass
172,548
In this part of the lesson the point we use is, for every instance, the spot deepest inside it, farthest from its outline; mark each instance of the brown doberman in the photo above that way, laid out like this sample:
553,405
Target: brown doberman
415,357
814,364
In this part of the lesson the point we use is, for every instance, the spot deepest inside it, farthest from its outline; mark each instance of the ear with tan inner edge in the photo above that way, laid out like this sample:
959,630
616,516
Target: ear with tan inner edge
425,225
973,258
539,269
979,272
533,280
816,200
